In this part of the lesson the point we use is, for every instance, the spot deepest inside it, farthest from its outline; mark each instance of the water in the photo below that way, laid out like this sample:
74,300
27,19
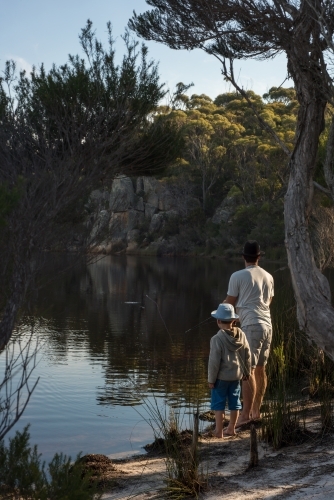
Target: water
117,337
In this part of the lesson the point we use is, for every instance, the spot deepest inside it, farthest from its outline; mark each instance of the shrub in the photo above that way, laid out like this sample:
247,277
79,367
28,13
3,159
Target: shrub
24,476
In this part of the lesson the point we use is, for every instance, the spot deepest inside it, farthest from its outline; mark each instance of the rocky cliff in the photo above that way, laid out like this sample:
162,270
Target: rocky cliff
129,216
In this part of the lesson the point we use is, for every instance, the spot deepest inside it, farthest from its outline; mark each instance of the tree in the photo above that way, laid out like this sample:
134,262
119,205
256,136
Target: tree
261,29
208,134
63,134
249,161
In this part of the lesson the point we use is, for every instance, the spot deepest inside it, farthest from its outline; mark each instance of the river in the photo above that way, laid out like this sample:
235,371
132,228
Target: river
118,339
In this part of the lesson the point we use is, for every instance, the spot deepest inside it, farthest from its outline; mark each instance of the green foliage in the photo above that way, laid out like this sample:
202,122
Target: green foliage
24,476
20,467
225,147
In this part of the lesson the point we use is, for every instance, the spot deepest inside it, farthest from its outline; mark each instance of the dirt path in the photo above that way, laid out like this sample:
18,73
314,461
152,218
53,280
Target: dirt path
297,472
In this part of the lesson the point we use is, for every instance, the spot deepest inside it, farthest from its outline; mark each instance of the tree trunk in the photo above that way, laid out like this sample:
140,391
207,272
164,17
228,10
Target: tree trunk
254,455
312,292
13,303
329,161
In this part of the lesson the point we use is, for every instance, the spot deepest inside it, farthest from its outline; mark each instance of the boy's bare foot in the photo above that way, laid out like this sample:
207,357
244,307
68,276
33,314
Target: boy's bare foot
229,432
212,434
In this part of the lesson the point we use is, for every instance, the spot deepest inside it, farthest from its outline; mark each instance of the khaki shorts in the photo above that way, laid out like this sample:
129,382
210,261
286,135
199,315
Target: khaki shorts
259,339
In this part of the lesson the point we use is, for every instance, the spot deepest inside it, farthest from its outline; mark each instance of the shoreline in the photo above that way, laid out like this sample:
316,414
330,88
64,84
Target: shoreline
285,473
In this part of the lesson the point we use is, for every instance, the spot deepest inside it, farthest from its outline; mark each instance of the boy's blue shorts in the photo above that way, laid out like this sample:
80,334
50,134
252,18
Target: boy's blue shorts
223,390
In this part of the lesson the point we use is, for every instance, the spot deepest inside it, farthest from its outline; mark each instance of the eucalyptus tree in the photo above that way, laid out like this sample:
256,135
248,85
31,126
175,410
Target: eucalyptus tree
207,135
243,29
63,133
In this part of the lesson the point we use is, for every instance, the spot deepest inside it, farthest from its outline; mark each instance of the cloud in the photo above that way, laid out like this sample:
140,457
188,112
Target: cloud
22,64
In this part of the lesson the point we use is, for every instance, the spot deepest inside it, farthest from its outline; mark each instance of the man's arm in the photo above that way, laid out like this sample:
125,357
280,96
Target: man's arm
230,300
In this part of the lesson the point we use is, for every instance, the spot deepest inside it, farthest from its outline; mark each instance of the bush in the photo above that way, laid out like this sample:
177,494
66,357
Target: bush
24,476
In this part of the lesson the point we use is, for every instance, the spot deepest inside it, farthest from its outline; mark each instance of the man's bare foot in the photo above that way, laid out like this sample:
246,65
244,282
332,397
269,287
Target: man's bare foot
242,421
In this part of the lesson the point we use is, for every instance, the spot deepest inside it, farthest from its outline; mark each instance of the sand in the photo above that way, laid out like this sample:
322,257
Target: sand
304,471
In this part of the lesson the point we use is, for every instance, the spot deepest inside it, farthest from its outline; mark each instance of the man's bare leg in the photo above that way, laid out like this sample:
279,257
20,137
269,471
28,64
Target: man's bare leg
248,394
230,429
219,417
261,385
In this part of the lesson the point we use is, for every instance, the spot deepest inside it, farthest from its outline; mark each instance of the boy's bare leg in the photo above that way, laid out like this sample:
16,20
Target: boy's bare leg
248,394
261,385
230,429
219,417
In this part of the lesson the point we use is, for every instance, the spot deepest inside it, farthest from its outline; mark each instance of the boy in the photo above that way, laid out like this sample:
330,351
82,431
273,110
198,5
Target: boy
229,361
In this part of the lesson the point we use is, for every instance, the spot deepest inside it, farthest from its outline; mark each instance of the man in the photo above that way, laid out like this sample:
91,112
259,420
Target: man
251,291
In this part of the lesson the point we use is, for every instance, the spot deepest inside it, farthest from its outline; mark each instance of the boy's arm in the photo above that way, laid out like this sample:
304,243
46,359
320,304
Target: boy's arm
214,361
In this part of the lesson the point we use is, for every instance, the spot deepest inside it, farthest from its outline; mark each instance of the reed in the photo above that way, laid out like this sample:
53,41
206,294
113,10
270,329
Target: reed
283,411
184,476
182,462
321,387
297,372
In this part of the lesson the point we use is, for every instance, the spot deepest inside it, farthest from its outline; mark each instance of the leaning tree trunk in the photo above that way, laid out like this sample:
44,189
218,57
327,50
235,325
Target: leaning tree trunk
311,288
329,161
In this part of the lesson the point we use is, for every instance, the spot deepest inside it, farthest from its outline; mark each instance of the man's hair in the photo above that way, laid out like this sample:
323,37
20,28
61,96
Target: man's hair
251,260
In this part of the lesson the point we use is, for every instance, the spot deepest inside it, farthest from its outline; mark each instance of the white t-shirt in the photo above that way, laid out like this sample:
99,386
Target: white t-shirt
254,288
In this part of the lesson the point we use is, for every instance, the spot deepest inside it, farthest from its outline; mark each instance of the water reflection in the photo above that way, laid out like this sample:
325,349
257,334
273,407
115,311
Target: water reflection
118,333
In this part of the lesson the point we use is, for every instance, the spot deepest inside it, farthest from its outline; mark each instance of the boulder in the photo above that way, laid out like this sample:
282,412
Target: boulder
132,236
132,241
100,225
99,194
150,210
166,200
171,213
139,204
157,222
121,223
228,207
139,186
122,196
151,189
150,184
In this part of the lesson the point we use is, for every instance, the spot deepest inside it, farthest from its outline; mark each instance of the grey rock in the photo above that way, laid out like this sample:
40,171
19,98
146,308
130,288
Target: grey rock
226,209
171,213
99,194
150,184
100,224
139,185
152,198
122,196
132,236
221,215
152,249
166,200
139,204
157,222
150,210
152,188
121,223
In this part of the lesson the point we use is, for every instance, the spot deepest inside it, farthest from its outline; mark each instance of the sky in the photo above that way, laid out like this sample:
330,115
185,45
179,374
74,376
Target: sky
46,31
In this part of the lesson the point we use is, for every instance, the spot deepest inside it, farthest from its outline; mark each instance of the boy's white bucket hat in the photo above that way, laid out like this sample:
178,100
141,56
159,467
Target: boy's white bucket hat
224,312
